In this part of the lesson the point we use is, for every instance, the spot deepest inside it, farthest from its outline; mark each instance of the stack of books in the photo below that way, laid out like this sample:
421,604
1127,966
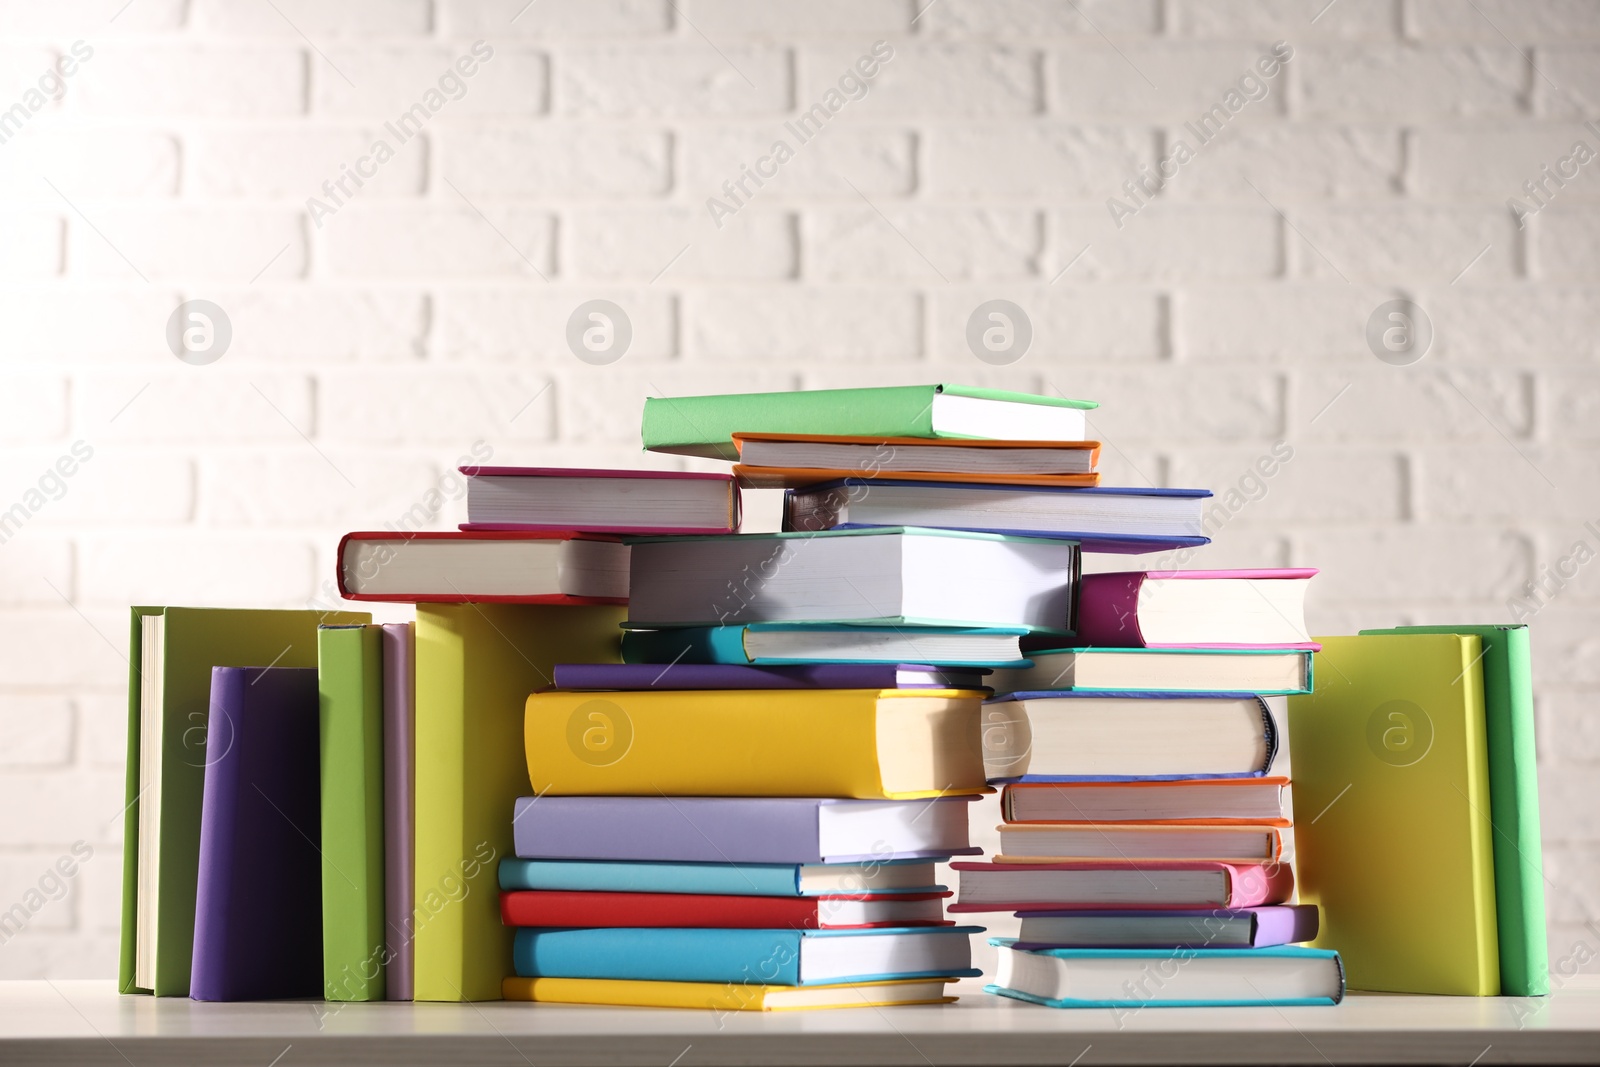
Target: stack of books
1143,849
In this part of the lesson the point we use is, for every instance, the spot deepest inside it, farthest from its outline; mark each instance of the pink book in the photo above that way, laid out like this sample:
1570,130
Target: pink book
638,502
399,800
1139,885
1243,609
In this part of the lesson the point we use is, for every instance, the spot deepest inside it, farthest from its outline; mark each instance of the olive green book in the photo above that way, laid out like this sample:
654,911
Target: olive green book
1391,812
350,688
705,425
1507,667
171,651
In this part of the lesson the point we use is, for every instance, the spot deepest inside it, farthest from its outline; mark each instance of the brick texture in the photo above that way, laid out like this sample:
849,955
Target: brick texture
399,222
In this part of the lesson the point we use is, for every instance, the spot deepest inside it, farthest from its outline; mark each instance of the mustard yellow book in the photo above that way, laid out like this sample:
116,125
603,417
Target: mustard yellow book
475,666
727,996
1391,809
869,744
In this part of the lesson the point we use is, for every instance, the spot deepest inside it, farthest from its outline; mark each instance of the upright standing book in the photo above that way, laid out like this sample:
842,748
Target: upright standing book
1399,856
259,889
171,653
399,801
350,681
1507,666
476,665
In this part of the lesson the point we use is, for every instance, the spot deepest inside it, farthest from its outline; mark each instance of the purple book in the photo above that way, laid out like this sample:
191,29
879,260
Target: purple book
739,829
399,800
740,676
258,902
1261,927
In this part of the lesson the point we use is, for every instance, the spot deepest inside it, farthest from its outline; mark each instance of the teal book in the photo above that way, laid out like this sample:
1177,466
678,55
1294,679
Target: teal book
1127,979
720,879
794,643
705,425
1507,665
350,687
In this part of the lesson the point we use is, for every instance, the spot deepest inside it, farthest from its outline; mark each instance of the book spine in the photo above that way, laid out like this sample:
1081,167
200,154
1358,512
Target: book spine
214,901
1108,611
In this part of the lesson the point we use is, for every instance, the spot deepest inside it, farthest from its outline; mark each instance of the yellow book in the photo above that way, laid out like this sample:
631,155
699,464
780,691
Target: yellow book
475,665
862,743
1391,811
727,996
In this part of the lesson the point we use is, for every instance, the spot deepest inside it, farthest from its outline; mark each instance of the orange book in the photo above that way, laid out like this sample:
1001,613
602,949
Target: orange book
777,460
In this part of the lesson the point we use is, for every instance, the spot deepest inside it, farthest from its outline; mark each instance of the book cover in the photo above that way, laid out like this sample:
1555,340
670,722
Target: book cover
1108,609
396,542
399,793
1248,885
1507,666
258,886
729,645
602,475
1397,851
775,743
194,640
475,666
786,830
555,908
720,879
723,996
705,425
1265,926
354,931
626,676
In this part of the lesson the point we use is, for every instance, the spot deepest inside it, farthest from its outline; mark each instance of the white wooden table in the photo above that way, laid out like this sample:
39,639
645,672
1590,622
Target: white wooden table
86,1022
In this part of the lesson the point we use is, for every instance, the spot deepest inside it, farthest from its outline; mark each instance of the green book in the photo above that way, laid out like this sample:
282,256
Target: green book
350,687
171,653
1507,667
705,425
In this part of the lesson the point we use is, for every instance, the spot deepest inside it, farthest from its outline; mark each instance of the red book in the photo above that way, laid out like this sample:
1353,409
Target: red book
844,912
483,566
1121,885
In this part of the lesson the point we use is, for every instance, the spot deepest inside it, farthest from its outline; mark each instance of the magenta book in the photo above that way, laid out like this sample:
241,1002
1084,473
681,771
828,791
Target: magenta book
1239,609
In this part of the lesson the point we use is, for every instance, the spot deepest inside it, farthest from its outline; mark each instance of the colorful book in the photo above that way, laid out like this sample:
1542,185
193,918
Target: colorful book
1062,735
1398,850
1143,800
1103,519
1262,608
354,932
1507,667
475,665
705,425
1282,924
722,879
892,576
1117,884
606,501
1069,841
399,802
554,908
779,644
483,567
865,743
606,676
738,830
786,461
171,653
1121,978
775,957
258,897
1261,671
728,996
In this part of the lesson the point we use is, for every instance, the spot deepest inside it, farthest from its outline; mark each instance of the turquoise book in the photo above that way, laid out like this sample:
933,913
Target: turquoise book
720,879
1507,666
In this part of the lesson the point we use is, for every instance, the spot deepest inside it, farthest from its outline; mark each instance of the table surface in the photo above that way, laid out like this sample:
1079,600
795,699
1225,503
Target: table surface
86,1022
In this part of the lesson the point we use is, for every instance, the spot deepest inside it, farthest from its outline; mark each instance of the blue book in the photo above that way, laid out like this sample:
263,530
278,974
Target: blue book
757,957
776,643
1100,518
722,879
1168,978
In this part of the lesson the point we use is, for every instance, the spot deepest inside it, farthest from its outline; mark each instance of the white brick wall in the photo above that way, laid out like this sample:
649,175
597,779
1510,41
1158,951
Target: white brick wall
374,344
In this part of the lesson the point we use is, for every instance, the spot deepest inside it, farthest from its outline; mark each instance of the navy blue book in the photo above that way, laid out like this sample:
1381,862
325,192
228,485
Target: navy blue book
258,904
1101,518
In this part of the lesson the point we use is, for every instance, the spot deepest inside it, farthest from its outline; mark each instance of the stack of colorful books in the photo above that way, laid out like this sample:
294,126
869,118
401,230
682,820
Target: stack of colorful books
1143,849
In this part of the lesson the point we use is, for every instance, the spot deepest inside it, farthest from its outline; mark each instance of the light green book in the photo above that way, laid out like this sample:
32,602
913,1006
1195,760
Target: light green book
705,425
1391,813
350,686
1507,667
171,653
